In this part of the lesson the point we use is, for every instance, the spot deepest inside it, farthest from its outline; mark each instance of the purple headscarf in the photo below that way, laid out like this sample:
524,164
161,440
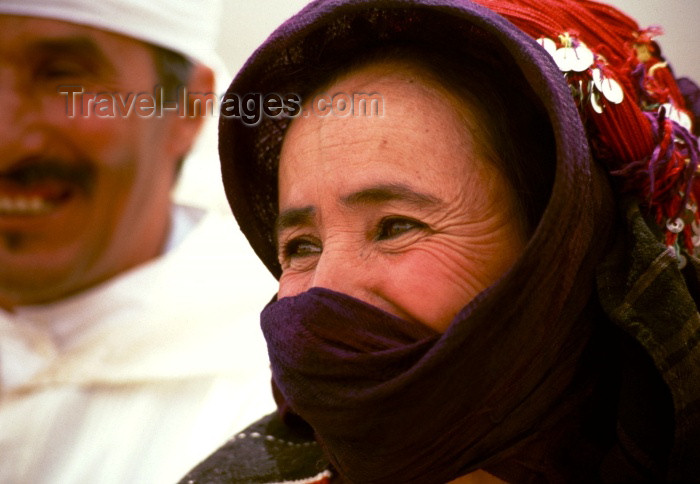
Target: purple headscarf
513,383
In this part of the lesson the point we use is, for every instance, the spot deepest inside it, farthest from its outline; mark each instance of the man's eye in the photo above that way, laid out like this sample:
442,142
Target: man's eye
296,248
57,70
392,227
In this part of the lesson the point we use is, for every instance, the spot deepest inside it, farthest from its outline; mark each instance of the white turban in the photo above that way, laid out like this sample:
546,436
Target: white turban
189,27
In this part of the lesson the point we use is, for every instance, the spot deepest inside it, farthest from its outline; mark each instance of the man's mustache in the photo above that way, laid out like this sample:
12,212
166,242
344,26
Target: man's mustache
81,174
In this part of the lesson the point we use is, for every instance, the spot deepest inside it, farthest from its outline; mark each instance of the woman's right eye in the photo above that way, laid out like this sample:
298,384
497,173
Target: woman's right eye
393,227
300,247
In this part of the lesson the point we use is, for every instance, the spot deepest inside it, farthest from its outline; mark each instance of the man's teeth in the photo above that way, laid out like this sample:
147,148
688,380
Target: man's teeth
24,205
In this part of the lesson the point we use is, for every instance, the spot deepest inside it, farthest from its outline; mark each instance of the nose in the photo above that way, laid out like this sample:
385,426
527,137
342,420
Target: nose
347,270
11,100
21,117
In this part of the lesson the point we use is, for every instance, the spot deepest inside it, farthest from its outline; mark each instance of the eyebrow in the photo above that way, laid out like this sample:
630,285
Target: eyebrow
374,195
393,192
79,45
295,217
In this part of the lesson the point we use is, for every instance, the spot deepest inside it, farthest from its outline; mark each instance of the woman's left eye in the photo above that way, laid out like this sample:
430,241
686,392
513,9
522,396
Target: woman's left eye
392,227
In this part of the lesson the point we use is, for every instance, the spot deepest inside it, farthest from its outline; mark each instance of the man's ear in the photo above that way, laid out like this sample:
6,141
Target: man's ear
199,101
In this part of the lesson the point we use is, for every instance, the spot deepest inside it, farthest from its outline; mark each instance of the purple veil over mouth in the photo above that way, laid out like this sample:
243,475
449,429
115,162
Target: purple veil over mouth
393,401
513,386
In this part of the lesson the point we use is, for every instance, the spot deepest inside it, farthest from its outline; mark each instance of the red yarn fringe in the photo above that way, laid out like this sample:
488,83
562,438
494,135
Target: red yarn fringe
655,157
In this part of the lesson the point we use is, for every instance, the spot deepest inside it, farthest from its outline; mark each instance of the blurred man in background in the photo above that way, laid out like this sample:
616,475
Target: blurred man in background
128,326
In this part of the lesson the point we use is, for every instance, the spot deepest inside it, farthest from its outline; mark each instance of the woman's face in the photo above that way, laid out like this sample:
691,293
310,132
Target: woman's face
401,211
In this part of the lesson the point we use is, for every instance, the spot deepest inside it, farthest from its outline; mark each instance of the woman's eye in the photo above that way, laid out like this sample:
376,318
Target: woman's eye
300,248
394,227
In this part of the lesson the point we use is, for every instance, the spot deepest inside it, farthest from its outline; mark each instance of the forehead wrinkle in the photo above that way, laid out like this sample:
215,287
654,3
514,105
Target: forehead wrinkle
393,192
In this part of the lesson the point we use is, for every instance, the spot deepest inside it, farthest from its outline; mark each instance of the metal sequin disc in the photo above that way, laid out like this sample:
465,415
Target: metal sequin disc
680,117
682,261
675,226
596,103
610,88
548,44
576,59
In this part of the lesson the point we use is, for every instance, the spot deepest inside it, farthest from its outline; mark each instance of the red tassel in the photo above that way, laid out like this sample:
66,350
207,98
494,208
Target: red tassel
653,156
625,133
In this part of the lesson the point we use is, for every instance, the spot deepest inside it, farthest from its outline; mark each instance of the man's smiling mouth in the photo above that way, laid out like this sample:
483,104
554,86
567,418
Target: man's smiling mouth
38,186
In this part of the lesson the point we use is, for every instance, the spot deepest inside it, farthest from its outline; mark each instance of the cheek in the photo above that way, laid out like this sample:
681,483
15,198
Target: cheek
292,284
431,285
129,155
105,135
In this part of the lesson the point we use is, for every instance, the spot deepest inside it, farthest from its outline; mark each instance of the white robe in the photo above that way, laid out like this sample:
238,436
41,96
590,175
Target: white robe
138,379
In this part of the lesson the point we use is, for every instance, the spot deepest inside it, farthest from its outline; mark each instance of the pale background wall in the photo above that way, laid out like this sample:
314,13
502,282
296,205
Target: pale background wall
681,43
245,24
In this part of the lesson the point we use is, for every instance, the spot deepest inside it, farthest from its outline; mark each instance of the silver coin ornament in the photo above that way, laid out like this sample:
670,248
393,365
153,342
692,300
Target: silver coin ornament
678,116
610,88
675,226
